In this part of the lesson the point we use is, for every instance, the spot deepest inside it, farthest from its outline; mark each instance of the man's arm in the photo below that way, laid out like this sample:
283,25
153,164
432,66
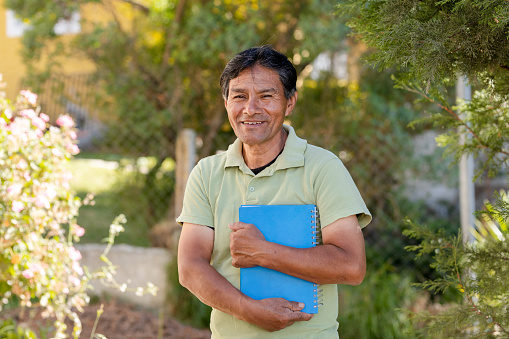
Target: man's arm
340,260
197,275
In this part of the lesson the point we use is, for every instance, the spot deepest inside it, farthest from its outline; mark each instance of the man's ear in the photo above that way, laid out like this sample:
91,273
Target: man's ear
225,102
290,105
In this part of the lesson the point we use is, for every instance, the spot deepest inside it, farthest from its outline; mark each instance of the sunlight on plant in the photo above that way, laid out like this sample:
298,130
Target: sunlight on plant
39,265
463,268
490,225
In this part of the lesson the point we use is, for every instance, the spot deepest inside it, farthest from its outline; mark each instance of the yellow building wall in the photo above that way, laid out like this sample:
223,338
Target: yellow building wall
11,63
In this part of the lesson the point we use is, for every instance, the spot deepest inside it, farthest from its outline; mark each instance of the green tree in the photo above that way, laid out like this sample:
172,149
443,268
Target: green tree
159,70
432,43
158,63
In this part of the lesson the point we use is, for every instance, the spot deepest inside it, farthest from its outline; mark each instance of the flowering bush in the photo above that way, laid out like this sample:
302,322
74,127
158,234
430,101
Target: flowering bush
39,265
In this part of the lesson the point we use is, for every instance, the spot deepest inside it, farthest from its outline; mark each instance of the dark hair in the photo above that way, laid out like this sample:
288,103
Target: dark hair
264,56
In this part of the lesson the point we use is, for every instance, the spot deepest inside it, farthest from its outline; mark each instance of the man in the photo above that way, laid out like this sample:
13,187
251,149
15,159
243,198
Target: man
267,165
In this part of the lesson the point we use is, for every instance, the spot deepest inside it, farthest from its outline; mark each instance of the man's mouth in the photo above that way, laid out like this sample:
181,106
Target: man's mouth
252,123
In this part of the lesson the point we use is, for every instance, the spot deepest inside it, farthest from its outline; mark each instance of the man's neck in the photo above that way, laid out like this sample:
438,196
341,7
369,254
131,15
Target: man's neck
257,156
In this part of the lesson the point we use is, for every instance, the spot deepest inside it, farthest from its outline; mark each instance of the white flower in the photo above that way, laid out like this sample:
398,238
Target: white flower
31,97
42,201
15,189
17,206
74,254
77,268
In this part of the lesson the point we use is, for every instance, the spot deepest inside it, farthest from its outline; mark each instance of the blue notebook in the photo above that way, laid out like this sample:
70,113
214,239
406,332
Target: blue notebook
289,225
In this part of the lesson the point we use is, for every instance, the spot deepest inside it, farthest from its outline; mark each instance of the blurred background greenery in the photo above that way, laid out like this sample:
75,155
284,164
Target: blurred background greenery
135,73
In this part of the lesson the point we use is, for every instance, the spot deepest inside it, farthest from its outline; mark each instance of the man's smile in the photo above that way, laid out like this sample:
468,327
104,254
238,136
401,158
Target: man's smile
252,122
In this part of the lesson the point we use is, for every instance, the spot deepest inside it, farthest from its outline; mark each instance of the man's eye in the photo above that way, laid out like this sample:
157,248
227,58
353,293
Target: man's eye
267,96
239,96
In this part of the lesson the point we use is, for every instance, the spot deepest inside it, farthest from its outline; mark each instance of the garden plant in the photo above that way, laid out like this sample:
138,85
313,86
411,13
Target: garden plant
432,43
39,263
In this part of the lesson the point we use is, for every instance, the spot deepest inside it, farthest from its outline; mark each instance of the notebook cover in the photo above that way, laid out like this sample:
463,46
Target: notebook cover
289,225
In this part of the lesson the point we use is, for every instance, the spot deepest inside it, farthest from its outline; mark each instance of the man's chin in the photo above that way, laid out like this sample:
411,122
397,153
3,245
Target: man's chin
250,141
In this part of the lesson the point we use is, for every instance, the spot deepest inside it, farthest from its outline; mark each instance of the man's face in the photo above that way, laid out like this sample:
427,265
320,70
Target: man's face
257,106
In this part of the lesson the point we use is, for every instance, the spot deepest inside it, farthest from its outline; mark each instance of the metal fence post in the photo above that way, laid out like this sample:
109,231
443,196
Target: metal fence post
185,159
467,188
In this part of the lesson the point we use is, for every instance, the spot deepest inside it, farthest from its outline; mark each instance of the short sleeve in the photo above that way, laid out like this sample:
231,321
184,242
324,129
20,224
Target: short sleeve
337,195
196,207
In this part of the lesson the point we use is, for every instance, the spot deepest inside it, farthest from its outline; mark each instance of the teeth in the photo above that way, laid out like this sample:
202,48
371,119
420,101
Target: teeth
252,123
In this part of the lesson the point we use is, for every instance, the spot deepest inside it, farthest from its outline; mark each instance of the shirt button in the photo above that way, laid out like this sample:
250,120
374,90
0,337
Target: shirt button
251,189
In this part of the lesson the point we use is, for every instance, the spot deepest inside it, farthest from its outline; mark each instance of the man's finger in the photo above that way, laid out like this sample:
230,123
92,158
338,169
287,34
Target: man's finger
235,226
296,306
305,316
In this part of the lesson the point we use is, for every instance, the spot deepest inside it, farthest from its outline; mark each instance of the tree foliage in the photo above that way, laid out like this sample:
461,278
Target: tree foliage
158,62
479,271
436,39
432,43
480,124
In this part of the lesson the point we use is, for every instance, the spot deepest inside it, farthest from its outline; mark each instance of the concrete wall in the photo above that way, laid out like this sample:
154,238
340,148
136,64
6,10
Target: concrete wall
136,266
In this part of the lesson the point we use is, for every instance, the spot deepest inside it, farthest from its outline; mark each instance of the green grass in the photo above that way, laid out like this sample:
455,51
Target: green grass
90,176
100,178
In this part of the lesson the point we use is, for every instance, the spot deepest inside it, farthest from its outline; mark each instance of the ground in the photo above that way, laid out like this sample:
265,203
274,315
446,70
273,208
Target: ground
124,321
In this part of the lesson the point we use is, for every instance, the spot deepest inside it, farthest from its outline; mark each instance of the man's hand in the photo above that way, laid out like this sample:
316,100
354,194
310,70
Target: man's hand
246,241
342,256
197,275
274,314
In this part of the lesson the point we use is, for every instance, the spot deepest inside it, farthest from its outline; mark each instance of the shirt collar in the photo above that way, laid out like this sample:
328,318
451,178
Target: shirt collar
292,156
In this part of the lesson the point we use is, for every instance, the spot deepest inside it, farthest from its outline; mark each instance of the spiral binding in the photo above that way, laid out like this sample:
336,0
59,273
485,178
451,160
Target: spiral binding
317,232
317,240
318,302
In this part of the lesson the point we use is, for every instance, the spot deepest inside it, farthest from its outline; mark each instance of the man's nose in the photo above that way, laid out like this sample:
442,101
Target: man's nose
252,106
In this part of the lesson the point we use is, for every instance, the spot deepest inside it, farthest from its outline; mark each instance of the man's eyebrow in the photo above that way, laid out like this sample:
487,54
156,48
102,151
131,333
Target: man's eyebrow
268,90
262,91
238,89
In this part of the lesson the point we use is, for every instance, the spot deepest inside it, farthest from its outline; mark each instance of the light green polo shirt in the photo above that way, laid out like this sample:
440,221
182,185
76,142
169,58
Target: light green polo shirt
302,174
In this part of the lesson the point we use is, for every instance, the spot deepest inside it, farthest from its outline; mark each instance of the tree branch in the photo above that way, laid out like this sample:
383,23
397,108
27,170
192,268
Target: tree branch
111,8
456,116
448,110
179,13
148,75
137,5
471,300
